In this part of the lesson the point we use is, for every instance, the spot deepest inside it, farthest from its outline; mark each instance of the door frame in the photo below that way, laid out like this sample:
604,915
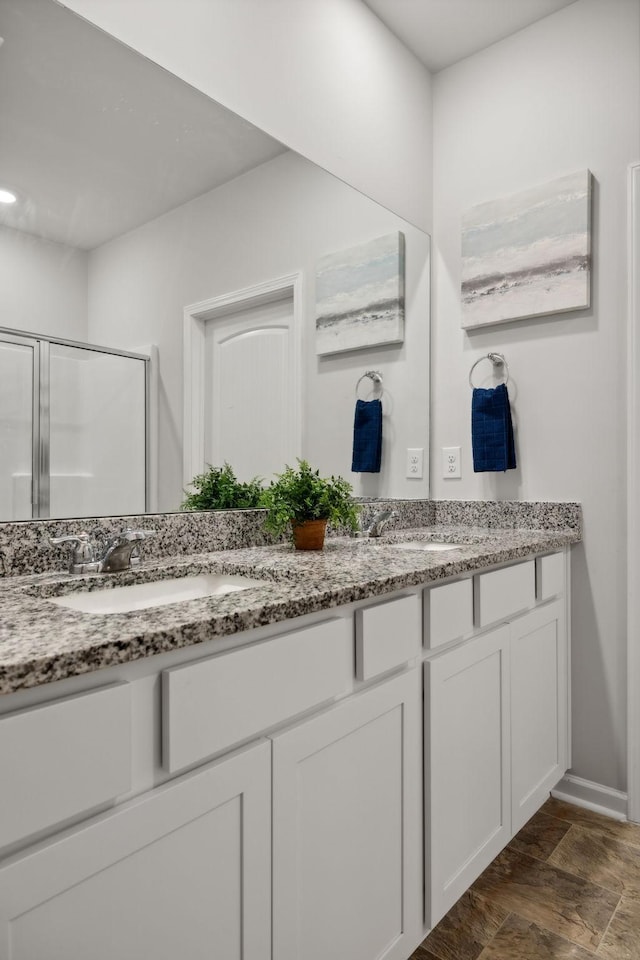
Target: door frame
196,317
633,494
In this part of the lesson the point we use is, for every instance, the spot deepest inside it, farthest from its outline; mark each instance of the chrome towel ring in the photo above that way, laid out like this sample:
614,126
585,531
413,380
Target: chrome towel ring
373,375
497,360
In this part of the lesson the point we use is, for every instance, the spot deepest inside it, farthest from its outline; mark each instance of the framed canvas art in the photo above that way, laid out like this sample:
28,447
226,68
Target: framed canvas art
529,254
360,296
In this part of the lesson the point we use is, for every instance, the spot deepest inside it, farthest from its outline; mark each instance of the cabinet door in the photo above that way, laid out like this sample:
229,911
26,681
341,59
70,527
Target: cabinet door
183,871
346,829
538,708
467,783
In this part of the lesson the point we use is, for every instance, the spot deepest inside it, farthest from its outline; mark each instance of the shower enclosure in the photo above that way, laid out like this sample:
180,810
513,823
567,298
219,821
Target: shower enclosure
73,429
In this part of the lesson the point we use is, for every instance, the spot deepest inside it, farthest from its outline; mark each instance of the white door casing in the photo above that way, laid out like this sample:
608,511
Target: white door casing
278,343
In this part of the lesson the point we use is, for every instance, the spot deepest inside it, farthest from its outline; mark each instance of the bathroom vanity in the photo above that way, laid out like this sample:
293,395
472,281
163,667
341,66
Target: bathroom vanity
316,766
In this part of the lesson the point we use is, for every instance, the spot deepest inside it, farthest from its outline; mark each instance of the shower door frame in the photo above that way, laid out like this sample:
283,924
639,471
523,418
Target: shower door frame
39,418
633,493
41,411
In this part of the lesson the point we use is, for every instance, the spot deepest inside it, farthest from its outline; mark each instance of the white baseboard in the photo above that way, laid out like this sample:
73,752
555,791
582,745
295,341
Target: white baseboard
592,796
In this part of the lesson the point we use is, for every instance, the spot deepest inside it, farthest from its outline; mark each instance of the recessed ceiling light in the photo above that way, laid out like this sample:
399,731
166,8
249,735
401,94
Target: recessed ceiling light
7,197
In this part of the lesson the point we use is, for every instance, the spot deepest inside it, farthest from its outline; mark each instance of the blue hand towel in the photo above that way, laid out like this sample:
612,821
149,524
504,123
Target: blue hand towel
367,437
492,430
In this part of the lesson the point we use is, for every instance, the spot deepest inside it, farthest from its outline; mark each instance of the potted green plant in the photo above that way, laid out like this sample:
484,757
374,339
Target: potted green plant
219,489
307,501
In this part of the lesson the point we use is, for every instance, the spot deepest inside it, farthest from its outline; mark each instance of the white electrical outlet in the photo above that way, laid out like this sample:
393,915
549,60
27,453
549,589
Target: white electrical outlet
415,463
451,463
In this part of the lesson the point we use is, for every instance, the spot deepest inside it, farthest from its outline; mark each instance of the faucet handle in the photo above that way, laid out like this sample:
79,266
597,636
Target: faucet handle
84,548
84,551
130,534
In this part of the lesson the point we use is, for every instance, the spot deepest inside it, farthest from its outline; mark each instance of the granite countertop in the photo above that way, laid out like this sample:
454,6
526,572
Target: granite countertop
41,642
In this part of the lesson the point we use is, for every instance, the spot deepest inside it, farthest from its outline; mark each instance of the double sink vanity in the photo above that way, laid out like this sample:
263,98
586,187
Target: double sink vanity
264,754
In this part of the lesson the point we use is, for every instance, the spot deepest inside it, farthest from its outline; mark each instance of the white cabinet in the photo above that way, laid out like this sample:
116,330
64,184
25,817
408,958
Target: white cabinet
500,594
347,829
213,704
183,871
495,734
538,708
448,612
467,754
63,758
550,576
307,842
388,635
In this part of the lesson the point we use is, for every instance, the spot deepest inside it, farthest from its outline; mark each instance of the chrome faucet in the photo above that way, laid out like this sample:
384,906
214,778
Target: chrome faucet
116,555
379,522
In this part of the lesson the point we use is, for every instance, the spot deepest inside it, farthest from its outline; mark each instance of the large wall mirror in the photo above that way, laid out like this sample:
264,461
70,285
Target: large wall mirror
153,223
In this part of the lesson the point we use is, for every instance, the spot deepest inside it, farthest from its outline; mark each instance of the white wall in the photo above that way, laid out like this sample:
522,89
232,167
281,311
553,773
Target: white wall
560,96
43,286
324,76
271,222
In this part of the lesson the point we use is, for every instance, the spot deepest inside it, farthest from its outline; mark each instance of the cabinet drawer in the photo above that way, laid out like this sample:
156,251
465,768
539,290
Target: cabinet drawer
502,593
387,635
550,576
448,612
62,758
210,705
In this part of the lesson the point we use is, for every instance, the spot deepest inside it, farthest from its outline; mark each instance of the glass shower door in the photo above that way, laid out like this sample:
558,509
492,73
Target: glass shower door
73,430
97,430
19,427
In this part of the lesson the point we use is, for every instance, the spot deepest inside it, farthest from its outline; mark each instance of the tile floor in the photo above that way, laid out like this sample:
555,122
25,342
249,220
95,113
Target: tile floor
566,888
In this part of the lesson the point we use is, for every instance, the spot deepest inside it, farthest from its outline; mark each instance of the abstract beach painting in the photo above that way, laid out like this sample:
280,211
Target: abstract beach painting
529,254
360,296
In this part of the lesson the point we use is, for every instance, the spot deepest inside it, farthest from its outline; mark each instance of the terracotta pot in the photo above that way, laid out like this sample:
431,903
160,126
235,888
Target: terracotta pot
309,535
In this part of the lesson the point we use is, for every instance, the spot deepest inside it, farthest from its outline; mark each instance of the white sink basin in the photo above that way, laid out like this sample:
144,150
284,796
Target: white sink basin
430,545
141,596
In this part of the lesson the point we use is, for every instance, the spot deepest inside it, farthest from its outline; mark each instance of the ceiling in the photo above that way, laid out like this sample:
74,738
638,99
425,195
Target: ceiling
96,140
441,32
